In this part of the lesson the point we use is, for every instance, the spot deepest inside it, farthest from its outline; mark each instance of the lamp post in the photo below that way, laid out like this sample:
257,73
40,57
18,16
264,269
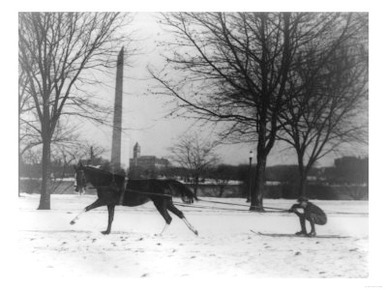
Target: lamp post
250,183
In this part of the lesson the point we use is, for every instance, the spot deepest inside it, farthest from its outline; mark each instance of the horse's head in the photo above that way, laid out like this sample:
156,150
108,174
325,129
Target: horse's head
80,178
96,177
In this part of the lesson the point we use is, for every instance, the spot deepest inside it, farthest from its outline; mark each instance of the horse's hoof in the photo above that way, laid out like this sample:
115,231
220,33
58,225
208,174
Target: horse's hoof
72,223
105,232
196,233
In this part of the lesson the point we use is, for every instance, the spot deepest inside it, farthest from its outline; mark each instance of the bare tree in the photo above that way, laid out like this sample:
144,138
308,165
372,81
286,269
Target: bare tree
234,69
56,50
195,154
82,150
327,96
28,136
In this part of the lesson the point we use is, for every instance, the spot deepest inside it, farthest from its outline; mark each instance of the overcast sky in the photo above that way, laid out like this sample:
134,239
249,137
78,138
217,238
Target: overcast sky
144,113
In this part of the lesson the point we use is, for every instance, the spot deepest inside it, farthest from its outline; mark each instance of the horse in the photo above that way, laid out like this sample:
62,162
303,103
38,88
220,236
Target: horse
111,191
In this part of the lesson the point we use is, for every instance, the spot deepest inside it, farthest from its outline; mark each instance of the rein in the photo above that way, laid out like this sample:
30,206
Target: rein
223,208
209,207
227,203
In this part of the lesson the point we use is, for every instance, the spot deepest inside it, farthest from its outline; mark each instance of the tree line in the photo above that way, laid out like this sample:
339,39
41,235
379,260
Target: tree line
349,170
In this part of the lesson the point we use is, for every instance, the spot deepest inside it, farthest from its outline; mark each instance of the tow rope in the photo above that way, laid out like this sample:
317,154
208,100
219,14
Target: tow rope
243,205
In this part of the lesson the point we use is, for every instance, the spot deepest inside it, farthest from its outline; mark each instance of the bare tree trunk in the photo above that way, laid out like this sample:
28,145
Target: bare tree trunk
302,173
302,184
45,202
258,185
259,182
258,192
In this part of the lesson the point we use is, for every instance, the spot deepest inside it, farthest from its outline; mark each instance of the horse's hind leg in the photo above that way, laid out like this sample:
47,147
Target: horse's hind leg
95,204
177,212
110,220
162,209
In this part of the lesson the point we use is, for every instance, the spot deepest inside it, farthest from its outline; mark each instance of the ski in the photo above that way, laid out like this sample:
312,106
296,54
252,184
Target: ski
278,235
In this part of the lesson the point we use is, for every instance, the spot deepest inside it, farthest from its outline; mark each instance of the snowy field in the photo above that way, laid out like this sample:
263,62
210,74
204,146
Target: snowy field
225,247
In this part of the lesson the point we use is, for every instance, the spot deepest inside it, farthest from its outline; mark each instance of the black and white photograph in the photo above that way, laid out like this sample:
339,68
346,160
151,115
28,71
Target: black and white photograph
208,144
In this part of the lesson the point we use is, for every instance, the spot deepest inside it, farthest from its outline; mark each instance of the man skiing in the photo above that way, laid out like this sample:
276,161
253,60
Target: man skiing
311,213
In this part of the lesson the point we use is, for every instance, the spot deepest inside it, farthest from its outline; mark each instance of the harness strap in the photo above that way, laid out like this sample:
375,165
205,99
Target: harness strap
133,191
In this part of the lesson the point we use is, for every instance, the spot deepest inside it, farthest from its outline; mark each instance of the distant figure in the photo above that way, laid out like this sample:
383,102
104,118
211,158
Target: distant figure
311,213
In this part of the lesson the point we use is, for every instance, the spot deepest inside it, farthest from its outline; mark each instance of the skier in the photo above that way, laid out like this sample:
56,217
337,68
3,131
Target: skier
311,213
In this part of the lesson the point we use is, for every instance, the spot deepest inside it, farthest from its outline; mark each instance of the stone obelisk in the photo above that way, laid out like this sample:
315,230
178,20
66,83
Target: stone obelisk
117,119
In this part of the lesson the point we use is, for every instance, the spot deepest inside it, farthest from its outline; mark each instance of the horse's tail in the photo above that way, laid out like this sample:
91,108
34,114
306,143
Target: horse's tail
185,192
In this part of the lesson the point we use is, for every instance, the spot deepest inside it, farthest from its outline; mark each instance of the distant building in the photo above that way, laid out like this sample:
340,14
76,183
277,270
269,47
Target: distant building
149,162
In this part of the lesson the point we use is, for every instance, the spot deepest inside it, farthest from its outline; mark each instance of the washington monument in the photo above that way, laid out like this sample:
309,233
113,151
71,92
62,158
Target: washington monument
117,119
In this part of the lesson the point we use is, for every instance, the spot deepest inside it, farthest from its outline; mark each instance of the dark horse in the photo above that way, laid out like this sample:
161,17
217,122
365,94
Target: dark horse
111,192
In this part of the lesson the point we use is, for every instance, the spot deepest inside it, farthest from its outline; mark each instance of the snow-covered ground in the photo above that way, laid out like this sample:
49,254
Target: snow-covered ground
225,247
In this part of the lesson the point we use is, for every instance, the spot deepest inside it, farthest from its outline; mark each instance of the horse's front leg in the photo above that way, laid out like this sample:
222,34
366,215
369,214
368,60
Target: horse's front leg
110,219
95,204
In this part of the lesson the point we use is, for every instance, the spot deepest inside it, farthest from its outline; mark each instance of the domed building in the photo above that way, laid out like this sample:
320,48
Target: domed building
146,164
